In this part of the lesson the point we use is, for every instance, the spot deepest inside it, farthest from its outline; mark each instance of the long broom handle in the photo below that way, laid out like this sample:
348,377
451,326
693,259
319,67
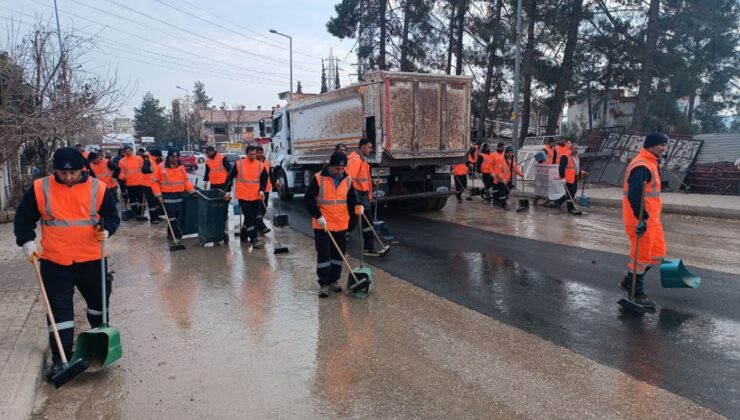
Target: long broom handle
637,243
571,197
374,232
362,241
169,225
103,277
57,339
274,231
341,254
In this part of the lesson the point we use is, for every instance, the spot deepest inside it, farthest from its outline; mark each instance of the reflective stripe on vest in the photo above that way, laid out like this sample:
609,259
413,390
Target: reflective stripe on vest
240,179
322,192
53,221
332,202
167,182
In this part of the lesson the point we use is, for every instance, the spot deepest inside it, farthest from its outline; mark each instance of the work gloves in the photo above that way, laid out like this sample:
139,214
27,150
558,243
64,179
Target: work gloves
359,209
322,222
262,195
227,197
641,228
100,233
30,251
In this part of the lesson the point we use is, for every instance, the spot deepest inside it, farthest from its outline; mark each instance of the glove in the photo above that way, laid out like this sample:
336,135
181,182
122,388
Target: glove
100,233
359,209
227,197
30,251
322,222
641,228
161,200
262,195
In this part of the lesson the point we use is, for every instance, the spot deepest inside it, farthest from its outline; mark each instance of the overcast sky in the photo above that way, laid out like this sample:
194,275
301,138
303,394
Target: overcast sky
224,43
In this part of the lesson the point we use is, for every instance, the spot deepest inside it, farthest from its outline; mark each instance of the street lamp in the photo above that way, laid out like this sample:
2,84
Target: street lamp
187,115
272,31
517,66
213,132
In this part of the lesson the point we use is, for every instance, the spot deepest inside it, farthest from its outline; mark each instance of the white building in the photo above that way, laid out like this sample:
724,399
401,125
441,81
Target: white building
123,126
230,130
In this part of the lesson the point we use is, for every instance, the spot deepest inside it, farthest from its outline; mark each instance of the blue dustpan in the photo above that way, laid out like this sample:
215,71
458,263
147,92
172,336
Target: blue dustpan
382,229
584,201
674,275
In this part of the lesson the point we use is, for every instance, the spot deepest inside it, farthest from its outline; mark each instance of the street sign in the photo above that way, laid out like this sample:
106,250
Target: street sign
147,139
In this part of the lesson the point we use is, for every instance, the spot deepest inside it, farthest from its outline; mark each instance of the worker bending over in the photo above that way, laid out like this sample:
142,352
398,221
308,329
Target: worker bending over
249,177
508,168
170,185
358,170
76,214
570,171
497,162
486,170
330,200
460,175
217,169
644,170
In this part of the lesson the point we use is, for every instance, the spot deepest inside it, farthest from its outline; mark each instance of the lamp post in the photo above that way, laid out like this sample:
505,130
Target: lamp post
213,132
517,66
272,31
187,115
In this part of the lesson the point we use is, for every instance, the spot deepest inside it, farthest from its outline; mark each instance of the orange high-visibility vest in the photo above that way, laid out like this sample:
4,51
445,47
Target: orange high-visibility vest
562,151
570,169
552,155
497,165
473,159
460,169
248,179
486,165
103,173
131,167
68,219
506,170
332,202
359,170
171,180
653,202
216,172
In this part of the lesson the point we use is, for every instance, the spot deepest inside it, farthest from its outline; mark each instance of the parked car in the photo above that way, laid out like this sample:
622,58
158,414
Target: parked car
232,157
201,157
189,160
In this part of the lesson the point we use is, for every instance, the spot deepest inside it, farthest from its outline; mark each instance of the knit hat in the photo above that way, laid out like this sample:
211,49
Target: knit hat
173,152
654,139
338,159
155,152
68,159
92,156
509,149
210,149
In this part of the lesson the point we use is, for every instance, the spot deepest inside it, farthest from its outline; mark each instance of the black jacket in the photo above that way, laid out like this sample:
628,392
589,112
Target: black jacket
27,214
638,175
313,191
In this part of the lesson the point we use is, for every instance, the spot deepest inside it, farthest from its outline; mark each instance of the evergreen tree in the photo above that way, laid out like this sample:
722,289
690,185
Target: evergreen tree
150,119
299,88
336,76
324,88
201,100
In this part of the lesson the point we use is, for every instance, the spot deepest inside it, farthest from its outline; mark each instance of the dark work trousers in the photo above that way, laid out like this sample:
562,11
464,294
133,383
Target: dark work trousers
367,230
328,260
136,198
259,222
221,187
487,185
572,189
500,194
250,212
173,205
153,203
60,282
124,193
461,183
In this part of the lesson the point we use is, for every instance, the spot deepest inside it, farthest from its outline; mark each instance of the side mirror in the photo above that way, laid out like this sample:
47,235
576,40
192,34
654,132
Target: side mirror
262,128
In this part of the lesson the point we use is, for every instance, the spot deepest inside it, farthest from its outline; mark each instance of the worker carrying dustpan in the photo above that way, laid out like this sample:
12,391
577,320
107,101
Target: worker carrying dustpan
69,204
643,172
330,200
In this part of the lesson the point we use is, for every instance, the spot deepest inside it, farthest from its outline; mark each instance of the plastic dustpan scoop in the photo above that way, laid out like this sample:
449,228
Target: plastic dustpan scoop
99,346
674,275
361,287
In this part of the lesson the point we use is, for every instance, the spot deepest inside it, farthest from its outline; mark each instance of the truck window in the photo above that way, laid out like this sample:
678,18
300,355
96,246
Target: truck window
277,124
370,129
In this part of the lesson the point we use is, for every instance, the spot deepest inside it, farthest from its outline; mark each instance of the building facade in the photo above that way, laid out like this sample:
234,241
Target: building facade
232,130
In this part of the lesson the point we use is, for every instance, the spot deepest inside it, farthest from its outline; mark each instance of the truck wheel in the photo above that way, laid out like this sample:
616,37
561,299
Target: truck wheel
285,193
440,204
425,204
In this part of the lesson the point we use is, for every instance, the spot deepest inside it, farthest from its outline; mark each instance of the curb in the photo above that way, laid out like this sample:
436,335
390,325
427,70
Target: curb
19,378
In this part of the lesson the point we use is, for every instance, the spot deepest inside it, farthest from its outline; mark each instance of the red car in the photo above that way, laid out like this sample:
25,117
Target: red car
189,160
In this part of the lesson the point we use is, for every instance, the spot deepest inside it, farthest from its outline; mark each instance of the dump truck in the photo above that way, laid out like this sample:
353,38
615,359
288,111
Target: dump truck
419,125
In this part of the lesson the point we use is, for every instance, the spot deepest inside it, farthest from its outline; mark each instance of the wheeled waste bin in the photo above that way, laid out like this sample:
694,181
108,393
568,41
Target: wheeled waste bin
213,212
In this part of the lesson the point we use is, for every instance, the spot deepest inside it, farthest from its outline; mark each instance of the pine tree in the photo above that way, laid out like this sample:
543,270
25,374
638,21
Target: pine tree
149,118
336,75
201,100
324,89
299,88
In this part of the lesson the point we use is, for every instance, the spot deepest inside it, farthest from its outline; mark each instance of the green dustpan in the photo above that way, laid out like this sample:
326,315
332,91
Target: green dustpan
365,277
101,345
674,275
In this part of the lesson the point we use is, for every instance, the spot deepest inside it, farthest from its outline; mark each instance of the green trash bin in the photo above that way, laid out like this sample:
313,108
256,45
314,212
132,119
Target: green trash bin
213,212
189,215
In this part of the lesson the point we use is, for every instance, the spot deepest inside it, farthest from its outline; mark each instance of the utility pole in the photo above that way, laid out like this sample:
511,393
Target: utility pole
291,59
517,76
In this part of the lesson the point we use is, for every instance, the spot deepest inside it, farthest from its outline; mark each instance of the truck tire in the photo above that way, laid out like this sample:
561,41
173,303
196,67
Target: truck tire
440,204
285,193
429,204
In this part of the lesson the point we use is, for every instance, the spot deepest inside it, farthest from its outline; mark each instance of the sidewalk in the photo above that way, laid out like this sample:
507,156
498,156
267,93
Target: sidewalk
22,335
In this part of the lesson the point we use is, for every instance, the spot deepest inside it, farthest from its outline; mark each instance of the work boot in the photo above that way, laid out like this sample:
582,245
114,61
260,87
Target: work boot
335,287
459,200
258,244
624,284
265,230
324,291
371,253
506,207
643,300
153,221
54,370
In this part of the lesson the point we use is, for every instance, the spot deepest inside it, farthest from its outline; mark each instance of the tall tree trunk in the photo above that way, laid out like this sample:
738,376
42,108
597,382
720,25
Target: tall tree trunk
528,69
405,65
648,59
460,27
692,98
566,70
590,104
607,93
382,23
451,36
489,71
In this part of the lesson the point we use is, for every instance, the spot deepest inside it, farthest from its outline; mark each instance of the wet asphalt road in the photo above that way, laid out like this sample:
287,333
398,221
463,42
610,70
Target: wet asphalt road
567,295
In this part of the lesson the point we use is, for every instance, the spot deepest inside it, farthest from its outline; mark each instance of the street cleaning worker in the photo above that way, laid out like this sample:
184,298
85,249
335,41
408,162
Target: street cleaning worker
562,148
497,164
644,168
70,205
570,171
358,170
460,177
550,152
106,171
153,158
134,172
261,227
250,179
170,184
84,154
330,200
340,147
486,170
473,157
217,169
507,170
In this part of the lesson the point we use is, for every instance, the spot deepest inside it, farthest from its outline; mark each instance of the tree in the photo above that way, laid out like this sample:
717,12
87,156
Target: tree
299,88
150,119
201,100
324,88
336,76
648,59
493,43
